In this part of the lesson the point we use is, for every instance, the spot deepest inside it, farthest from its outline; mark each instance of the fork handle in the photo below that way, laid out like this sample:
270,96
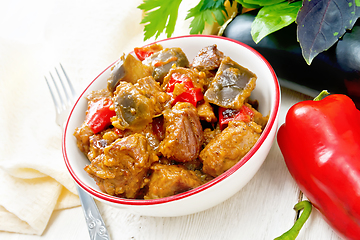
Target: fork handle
94,221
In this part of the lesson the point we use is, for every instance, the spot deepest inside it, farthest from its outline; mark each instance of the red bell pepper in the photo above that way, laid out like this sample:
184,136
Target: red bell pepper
226,115
191,94
320,142
98,115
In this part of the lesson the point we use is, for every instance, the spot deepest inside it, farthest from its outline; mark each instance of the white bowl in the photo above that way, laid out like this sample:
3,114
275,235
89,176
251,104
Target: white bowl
267,92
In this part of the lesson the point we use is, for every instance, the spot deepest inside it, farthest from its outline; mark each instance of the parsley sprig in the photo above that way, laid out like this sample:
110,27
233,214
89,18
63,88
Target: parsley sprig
161,15
208,11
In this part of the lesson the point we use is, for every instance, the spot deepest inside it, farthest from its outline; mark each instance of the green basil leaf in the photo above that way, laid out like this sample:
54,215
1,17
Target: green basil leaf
272,18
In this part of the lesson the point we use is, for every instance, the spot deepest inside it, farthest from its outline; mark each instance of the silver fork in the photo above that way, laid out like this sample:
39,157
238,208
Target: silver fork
63,97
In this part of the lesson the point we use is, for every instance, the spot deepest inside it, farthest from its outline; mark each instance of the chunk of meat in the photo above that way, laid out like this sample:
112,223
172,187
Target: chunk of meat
210,134
99,141
82,135
231,86
96,95
168,180
206,112
97,145
183,136
258,117
151,136
151,89
208,58
122,169
128,69
228,147
162,61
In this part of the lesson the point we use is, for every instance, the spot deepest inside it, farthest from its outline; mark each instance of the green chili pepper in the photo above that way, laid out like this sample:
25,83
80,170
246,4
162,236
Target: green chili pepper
294,231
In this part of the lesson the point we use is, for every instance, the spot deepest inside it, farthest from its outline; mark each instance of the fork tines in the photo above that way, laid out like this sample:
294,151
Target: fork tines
66,90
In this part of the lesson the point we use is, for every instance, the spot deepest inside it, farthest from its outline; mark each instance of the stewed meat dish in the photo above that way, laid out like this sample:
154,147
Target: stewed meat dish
165,125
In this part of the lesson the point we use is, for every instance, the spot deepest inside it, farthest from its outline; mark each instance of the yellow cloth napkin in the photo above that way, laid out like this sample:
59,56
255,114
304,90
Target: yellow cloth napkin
85,36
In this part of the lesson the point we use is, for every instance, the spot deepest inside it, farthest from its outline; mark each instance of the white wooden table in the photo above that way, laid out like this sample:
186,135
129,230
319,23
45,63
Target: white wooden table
74,35
261,210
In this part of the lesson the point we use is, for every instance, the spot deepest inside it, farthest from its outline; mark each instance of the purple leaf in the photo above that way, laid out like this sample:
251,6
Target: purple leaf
322,22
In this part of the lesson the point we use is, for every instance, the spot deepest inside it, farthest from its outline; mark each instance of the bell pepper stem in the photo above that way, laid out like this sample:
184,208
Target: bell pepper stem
321,95
306,206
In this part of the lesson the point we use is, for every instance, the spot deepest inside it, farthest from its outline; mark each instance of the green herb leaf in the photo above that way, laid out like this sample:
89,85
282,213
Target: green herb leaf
322,22
246,5
159,15
211,4
208,11
258,3
272,18
264,2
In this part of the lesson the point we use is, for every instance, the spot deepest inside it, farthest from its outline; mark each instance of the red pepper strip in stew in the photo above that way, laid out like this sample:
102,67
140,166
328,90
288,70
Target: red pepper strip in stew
158,127
99,114
226,115
320,142
142,53
177,78
191,94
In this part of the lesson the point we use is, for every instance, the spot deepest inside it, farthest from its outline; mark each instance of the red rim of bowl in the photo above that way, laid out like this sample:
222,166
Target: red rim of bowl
203,187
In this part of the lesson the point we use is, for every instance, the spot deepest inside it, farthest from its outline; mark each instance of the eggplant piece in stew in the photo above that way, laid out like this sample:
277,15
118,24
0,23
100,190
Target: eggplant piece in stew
133,110
162,61
231,86
128,69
